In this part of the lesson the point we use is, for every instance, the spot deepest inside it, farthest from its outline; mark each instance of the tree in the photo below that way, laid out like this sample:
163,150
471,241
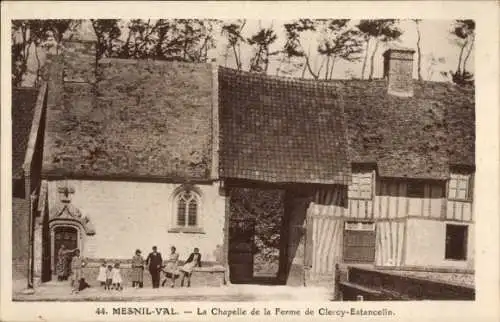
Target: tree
293,46
233,32
377,31
168,39
107,33
419,51
337,40
464,33
265,208
262,40
41,34
21,44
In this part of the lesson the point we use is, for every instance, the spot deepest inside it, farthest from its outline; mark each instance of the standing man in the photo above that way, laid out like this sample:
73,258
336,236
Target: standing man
154,262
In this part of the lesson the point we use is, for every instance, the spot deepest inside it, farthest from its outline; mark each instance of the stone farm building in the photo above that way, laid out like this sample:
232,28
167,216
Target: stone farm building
124,154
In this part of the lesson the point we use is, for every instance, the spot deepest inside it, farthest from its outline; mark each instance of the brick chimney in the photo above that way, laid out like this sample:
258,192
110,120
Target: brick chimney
79,56
398,69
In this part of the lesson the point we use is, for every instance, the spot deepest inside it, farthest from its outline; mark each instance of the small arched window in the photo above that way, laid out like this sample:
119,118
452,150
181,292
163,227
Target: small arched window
188,207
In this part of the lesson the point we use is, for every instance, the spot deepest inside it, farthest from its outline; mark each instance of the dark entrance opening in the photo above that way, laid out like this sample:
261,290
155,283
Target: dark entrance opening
456,242
256,245
67,236
241,250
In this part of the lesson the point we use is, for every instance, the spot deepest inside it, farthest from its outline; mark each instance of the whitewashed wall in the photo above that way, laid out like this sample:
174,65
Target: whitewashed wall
426,244
131,215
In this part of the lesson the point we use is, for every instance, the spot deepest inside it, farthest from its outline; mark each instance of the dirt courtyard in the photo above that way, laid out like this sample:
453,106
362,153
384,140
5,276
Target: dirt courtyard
61,291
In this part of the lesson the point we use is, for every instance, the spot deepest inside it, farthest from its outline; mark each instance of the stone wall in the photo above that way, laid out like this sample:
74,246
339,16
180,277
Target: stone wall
20,237
206,276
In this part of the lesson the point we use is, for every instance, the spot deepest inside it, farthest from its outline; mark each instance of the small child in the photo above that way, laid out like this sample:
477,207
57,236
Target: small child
109,278
101,278
117,277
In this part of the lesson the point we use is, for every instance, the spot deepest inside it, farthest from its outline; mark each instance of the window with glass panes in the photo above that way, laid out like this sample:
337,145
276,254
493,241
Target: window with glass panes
458,186
361,186
187,209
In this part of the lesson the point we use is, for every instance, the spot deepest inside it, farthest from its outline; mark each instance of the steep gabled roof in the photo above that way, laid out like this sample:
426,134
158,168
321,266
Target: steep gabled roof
23,109
415,137
281,130
152,119
138,119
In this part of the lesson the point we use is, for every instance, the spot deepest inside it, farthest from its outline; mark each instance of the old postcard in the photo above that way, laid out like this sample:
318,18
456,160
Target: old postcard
250,161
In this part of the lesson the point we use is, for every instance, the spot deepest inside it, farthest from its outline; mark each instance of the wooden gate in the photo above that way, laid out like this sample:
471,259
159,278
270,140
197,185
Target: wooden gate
325,230
241,250
323,245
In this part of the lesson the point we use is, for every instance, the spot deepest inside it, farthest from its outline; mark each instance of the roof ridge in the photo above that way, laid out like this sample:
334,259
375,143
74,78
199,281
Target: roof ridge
284,79
156,61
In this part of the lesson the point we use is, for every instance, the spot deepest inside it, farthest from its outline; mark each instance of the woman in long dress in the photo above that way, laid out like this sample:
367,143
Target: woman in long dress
171,269
77,265
194,260
137,270
63,263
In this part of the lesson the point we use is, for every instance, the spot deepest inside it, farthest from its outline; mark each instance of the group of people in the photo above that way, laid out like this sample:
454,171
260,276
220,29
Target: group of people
171,270
70,264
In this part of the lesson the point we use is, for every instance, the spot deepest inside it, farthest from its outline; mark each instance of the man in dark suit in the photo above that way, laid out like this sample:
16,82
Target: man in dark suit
154,262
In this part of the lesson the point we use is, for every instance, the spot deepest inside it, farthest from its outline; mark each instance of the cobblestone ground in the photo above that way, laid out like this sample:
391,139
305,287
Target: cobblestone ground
60,291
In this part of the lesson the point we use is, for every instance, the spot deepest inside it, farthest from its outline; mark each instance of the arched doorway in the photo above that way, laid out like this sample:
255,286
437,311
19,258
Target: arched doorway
68,227
66,236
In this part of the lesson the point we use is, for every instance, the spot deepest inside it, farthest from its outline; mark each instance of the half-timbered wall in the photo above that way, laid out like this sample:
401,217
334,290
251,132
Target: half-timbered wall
390,243
393,200
361,193
460,192
409,215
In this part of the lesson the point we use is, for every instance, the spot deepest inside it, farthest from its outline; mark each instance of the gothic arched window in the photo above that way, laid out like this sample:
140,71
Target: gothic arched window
187,208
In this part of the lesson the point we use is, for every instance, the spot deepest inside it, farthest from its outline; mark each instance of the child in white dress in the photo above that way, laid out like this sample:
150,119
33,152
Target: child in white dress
109,278
101,278
117,277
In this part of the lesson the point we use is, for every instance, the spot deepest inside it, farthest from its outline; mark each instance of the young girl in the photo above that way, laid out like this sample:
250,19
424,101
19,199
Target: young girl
102,274
194,260
117,277
109,278
171,269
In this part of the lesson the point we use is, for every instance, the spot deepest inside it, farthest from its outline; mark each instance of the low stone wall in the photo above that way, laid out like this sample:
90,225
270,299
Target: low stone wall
207,275
376,285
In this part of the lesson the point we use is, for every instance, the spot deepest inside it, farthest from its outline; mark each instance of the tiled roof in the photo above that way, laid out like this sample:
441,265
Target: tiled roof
416,137
154,119
281,130
23,108
138,119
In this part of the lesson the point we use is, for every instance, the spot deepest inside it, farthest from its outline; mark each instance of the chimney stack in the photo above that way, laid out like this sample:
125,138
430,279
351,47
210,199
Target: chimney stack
398,69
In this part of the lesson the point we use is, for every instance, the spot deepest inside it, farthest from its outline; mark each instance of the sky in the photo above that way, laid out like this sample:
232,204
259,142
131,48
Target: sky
436,42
